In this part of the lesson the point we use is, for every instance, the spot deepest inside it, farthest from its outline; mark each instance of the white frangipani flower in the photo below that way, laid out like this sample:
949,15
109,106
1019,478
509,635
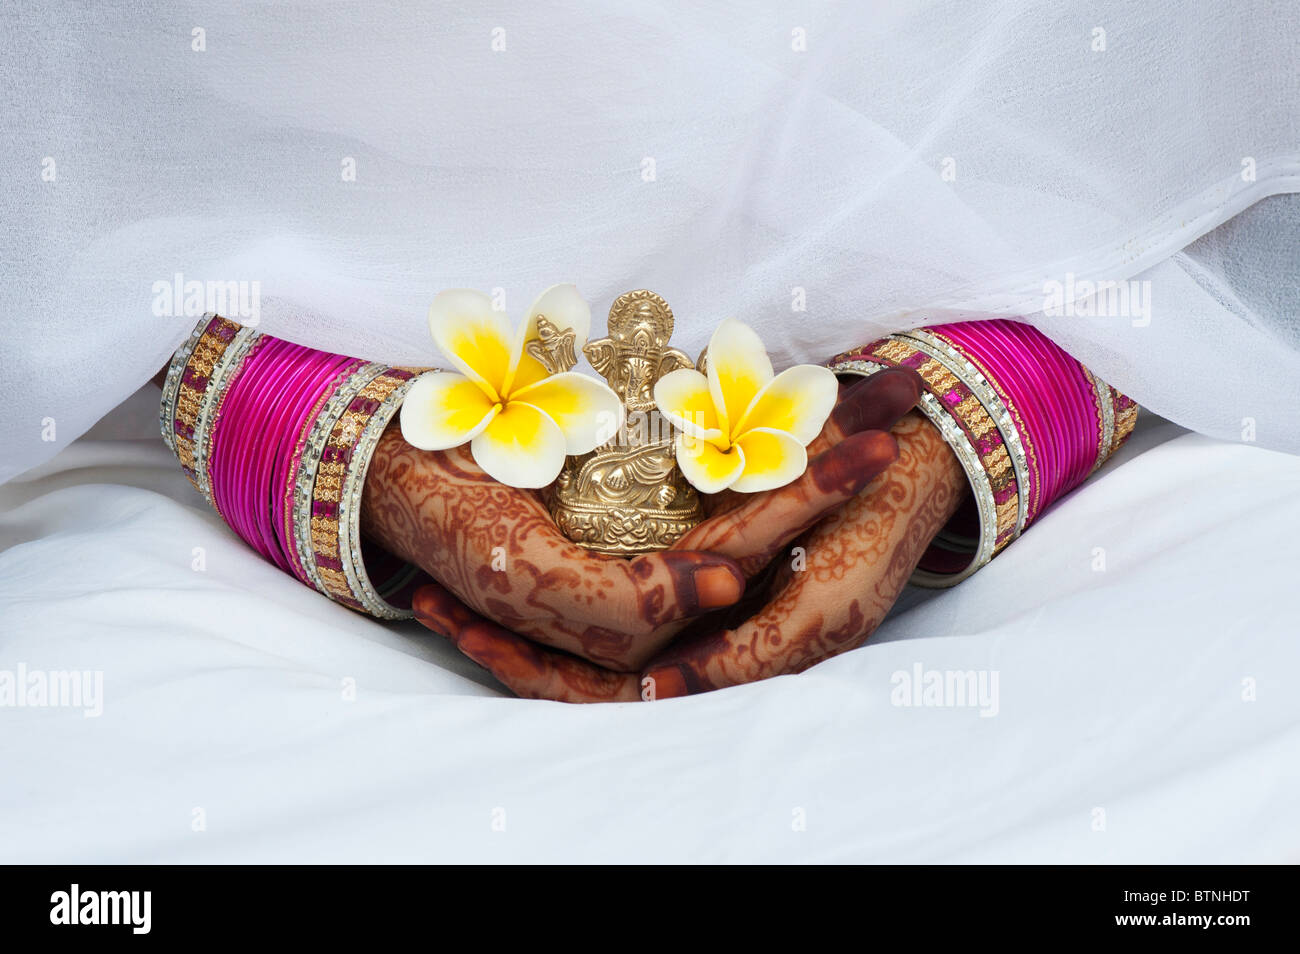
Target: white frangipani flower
744,428
519,419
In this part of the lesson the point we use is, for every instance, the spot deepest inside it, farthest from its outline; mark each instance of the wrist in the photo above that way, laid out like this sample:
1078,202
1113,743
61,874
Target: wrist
390,501
1025,421
945,484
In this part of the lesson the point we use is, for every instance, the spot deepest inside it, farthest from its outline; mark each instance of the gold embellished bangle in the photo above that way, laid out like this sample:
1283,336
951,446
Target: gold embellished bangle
294,490
362,589
1033,484
306,517
172,383
340,457
203,365
1104,405
995,412
227,369
1125,411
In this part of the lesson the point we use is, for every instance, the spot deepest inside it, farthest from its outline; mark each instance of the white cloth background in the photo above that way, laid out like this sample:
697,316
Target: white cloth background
1119,690
775,168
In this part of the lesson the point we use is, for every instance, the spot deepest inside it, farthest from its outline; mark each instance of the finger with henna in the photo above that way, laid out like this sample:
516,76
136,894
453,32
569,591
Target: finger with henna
524,667
761,526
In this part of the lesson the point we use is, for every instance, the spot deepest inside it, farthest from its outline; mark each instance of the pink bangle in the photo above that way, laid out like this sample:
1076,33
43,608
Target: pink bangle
1027,423
985,351
236,439
318,384
332,376
281,440
227,433
259,409
294,372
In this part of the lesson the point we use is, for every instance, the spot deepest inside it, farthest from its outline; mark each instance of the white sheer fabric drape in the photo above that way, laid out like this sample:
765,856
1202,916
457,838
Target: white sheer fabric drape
883,164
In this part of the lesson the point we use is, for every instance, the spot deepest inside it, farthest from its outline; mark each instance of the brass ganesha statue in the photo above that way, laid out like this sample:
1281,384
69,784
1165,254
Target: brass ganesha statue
627,496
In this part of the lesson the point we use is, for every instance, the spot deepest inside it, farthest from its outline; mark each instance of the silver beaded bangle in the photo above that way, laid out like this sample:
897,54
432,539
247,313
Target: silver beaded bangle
312,452
1106,412
244,341
172,383
978,385
350,507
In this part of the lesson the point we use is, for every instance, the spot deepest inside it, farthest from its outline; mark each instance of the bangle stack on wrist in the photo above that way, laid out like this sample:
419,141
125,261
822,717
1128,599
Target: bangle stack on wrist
1026,421
278,438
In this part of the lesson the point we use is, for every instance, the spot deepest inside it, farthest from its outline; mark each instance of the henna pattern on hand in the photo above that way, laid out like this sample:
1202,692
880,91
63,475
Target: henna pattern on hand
533,672
859,559
497,549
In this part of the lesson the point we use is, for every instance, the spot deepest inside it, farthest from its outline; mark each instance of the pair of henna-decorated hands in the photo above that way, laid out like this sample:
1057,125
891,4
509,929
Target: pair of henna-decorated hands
552,620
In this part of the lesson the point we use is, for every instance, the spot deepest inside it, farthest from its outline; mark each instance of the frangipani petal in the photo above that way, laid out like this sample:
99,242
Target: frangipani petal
738,367
524,368
443,410
476,339
588,411
565,309
684,398
772,459
520,447
797,401
708,469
